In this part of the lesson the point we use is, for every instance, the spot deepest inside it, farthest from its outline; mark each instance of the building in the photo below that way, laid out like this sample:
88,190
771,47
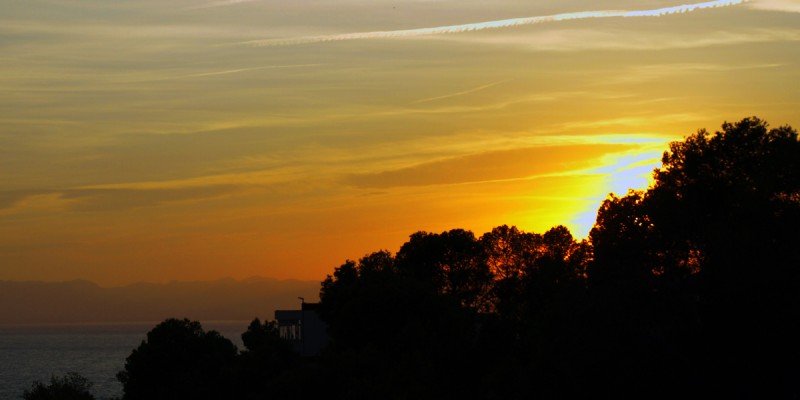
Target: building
304,329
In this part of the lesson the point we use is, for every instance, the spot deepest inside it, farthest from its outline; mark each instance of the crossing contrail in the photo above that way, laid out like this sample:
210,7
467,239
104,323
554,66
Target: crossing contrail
479,26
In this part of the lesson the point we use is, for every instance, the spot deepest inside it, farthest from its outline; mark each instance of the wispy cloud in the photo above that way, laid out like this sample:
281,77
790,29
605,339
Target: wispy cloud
9,199
222,3
644,73
571,40
127,30
461,93
776,5
236,71
157,78
460,109
505,23
137,194
490,166
633,121
120,199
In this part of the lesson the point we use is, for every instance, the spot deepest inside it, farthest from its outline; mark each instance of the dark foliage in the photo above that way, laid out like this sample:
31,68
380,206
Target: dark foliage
179,360
703,267
451,315
264,365
71,386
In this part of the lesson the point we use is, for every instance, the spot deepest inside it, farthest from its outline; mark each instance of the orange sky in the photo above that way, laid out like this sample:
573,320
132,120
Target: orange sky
194,140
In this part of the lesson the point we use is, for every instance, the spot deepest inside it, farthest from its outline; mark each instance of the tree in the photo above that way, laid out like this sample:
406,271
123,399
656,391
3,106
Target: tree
509,250
179,360
721,206
729,202
559,267
405,335
266,363
716,234
71,386
621,240
452,263
262,338
370,287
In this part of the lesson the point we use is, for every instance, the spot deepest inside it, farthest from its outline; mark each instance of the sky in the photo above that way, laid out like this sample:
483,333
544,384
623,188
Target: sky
199,139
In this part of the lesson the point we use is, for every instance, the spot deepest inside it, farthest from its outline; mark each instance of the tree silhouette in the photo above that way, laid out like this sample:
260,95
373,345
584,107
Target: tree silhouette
716,234
71,386
404,335
621,240
509,251
435,321
266,363
729,202
179,360
452,263
722,206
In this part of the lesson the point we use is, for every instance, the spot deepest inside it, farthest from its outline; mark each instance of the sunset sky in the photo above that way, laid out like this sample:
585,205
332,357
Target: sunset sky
190,139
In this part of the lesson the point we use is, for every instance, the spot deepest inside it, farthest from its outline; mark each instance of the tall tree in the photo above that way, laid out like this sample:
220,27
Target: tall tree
722,205
728,203
717,232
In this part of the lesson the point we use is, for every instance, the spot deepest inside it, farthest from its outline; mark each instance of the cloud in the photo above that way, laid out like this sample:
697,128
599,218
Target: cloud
238,70
108,199
643,120
159,78
222,3
490,166
505,23
643,73
571,40
776,5
9,199
461,93
121,199
269,177
122,196
125,30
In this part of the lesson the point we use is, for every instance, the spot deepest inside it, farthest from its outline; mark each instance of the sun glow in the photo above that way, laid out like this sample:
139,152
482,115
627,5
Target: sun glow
620,173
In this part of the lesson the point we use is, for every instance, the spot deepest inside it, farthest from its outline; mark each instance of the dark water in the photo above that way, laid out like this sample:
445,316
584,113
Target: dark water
98,352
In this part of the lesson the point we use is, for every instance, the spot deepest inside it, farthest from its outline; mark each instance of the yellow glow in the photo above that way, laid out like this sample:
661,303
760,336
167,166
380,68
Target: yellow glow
620,173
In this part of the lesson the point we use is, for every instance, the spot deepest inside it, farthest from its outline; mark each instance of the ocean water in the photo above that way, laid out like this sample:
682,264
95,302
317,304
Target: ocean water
96,351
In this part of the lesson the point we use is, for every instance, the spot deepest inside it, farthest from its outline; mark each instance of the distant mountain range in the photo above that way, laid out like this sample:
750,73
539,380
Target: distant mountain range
86,302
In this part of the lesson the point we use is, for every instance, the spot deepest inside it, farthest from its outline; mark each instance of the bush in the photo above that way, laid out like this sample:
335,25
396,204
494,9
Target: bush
71,386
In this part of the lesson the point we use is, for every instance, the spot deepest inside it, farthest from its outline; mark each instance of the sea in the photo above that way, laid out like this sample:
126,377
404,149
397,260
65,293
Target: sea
30,353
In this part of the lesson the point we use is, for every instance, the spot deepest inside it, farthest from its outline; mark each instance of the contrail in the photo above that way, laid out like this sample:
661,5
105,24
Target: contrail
235,71
222,3
479,26
461,93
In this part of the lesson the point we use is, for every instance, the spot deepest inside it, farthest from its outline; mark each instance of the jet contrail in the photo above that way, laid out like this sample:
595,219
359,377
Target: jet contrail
222,3
461,93
479,26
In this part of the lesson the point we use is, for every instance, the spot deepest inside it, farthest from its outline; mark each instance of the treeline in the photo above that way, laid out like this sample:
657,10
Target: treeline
690,288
